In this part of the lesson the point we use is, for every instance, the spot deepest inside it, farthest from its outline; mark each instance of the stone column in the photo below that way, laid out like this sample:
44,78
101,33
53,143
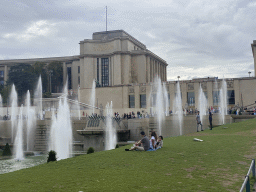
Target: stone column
64,73
5,74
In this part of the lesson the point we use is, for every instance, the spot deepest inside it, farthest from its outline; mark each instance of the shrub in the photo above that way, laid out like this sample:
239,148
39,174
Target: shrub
7,150
52,156
90,150
117,146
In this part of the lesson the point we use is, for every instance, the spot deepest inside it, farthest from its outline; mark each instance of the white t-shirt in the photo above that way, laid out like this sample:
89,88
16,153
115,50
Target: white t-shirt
152,138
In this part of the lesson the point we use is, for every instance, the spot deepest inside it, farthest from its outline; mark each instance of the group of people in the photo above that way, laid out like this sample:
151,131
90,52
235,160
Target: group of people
198,121
146,144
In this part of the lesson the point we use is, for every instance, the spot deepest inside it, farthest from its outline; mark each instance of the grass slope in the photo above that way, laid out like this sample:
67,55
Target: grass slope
219,163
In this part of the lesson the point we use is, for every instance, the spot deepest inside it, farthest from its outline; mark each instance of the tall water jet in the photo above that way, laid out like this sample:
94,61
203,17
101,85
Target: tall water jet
177,108
203,103
18,143
223,101
160,109
31,120
14,109
110,132
38,98
61,137
92,99
166,100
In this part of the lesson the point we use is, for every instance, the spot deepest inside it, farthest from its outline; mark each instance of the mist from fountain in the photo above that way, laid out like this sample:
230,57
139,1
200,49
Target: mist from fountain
160,104
110,132
203,103
61,137
166,100
18,143
38,98
223,101
92,99
177,108
31,121
14,109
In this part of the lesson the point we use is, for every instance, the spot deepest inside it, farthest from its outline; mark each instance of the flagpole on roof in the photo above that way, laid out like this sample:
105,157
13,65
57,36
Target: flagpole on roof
106,18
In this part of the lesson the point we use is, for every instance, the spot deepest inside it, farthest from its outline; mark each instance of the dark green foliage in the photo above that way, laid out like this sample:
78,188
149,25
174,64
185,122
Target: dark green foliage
51,156
117,146
7,150
40,68
90,150
23,77
57,75
47,95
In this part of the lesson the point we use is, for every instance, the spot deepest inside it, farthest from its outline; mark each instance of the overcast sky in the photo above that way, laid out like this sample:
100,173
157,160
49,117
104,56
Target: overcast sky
197,38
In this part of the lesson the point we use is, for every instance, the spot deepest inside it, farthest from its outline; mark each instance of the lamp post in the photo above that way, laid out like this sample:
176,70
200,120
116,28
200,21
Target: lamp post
249,73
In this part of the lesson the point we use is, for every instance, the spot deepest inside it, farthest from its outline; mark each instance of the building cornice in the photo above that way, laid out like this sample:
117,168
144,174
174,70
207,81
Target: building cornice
33,60
132,53
136,42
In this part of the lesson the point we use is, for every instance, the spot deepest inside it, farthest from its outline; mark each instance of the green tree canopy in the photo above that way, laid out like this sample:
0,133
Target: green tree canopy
23,77
57,75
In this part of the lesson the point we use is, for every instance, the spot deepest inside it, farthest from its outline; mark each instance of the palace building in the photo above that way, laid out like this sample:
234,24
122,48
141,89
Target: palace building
124,71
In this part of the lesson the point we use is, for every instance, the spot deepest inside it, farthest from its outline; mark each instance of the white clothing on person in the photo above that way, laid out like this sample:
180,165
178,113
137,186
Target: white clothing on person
151,145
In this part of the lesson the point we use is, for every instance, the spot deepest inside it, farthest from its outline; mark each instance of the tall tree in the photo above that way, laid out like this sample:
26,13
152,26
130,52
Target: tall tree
23,77
57,76
40,68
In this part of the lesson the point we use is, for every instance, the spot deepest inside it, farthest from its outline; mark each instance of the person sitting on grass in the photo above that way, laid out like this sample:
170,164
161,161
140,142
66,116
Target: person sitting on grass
153,140
160,142
144,141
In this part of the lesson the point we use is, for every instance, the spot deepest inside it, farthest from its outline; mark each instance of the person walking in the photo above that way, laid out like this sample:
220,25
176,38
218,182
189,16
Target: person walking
210,119
198,122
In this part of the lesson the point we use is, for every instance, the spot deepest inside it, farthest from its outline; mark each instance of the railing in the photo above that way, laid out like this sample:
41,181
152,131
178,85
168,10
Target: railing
246,184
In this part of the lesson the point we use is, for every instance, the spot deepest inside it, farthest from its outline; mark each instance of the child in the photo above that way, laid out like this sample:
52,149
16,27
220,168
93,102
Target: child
159,143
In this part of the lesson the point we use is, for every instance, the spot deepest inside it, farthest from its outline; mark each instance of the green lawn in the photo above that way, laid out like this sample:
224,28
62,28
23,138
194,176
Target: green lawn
219,163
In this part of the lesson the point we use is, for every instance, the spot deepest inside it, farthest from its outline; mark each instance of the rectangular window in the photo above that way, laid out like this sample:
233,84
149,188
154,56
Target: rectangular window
104,72
98,69
191,98
231,97
78,80
215,97
2,74
78,69
131,101
143,101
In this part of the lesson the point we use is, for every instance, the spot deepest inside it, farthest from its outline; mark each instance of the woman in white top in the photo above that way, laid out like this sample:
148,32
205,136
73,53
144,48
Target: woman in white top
153,140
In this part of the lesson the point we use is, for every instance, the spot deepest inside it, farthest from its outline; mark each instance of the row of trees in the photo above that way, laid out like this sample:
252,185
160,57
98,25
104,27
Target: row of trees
25,77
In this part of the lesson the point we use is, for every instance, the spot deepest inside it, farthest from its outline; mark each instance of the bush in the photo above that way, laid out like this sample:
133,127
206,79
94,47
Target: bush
117,146
47,95
90,150
52,156
7,150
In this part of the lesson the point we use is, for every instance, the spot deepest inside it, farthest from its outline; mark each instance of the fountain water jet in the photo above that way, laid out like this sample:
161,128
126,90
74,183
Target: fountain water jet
177,108
110,132
18,144
203,103
92,99
61,137
160,104
223,101
31,120
38,98
14,104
